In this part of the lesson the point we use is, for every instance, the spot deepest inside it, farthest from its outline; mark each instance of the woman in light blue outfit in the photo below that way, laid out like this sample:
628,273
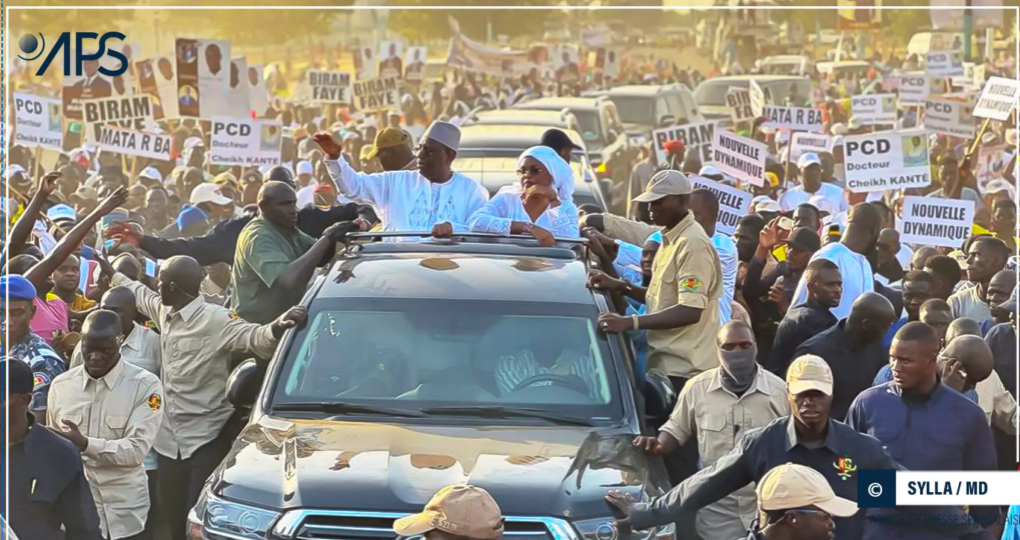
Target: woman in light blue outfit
542,205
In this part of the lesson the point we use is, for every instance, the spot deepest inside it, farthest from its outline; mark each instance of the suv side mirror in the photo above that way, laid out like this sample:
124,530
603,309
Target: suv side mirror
243,384
666,120
660,397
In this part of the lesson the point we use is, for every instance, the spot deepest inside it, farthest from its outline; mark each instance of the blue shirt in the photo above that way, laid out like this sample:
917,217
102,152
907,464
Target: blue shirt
639,338
1012,529
885,375
887,341
944,431
46,364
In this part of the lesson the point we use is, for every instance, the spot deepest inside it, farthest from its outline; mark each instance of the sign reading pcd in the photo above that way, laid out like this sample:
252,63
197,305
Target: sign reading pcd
949,117
240,141
887,160
874,108
376,94
37,121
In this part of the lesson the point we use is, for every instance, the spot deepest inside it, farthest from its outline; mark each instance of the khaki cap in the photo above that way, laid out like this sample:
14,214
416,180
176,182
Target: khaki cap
791,486
663,184
458,509
388,138
809,372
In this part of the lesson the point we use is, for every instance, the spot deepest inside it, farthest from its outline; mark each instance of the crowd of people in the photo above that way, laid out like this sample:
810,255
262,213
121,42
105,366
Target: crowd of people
810,343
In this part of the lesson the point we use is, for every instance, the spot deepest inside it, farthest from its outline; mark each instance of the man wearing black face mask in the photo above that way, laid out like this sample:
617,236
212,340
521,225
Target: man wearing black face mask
719,406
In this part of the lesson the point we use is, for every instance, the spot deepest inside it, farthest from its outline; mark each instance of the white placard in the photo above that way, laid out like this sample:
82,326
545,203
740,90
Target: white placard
794,118
612,62
801,143
757,98
243,141
739,156
949,117
165,73
135,112
391,63
998,97
874,109
376,94
38,122
928,221
258,96
915,88
887,160
238,93
135,143
213,77
697,139
945,63
733,203
739,102
991,165
329,86
414,65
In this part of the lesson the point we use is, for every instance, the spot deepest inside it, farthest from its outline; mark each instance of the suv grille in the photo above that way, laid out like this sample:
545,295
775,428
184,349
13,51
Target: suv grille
328,525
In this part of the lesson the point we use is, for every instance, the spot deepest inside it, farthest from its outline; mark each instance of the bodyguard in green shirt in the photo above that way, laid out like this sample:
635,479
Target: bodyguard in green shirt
274,261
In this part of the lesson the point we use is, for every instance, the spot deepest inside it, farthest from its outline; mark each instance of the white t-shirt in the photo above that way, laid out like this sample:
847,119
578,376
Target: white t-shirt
306,195
727,250
795,197
855,269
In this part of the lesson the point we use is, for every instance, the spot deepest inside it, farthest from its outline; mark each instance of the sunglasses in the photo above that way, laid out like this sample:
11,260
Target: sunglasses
530,171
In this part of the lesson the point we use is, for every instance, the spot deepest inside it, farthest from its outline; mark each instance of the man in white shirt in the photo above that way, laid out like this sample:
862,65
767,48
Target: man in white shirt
111,410
432,198
305,184
850,255
705,206
811,185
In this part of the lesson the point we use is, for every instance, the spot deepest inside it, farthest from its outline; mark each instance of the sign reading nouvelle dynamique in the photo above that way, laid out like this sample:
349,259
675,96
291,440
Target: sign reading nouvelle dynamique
733,203
739,156
887,160
928,221
998,97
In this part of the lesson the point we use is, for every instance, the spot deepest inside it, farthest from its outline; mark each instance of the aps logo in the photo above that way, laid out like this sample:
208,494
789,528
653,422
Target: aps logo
34,48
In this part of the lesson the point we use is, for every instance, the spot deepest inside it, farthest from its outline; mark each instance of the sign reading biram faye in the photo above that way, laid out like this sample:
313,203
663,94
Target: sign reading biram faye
135,112
697,139
376,94
330,86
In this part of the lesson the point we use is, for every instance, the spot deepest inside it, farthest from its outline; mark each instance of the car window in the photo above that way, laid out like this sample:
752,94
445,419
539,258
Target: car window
662,108
414,353
690,109
591,130
636,110
781,90
713,93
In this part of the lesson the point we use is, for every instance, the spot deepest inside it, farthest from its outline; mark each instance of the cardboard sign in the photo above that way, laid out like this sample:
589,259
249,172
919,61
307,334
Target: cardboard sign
391,63
376,94
991,165
697,138
242,141
612,62
135,143
135,112
945,63
329,86
998,97
414,66
158,78
757,98
739,156
918,87
928,221
733,203
874,109
203,77
38,122
739,102
948,117
566,61
887,160
237,94
794,118
258,96
802,143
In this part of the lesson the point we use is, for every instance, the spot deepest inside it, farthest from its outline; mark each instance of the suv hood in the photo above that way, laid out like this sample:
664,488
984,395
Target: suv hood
554,471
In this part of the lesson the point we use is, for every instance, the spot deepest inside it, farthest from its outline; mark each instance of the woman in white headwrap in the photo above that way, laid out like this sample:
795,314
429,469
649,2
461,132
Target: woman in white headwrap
542,205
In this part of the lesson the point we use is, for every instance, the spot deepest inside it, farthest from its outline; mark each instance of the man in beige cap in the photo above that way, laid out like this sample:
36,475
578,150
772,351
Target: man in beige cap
456,512
682,296
797,503
393,148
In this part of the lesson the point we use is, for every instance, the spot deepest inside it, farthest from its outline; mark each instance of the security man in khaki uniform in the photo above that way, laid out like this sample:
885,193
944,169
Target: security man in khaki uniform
111,411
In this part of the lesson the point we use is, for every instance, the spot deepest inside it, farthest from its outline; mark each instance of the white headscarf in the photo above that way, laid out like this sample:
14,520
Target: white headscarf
562,174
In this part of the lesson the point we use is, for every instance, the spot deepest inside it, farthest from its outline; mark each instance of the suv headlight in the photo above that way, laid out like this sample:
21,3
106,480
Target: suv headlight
605,529
213,518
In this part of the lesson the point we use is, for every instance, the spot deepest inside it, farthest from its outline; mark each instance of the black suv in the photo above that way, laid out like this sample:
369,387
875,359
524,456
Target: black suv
424,364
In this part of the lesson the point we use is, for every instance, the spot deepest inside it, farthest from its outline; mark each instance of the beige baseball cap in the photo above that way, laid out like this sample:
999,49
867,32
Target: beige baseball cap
458,509
809,372
663,184
791,486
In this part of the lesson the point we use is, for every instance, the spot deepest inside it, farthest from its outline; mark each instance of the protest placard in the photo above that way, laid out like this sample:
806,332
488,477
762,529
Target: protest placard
991,164
567,63
135,112
928,221
329,86
998,97
945,63
874,109
203,77
243,141
37,122
887,160
739,156
739,102
697,139
376,94
238,103
612,62
414,66
135,143
949,117
391,63
258,96
801,143
915,88
757,96
733,203
793,118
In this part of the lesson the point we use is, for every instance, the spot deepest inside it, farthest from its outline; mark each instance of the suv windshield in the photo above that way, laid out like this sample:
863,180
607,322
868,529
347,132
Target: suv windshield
591,132
635,110
414,354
